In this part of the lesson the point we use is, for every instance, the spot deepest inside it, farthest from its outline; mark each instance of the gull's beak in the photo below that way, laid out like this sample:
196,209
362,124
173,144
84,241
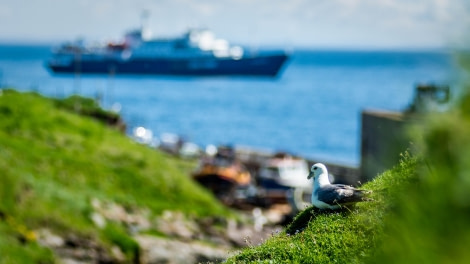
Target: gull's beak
311,175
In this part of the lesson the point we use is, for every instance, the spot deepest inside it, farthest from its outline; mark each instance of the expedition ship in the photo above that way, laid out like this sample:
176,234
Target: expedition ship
197,52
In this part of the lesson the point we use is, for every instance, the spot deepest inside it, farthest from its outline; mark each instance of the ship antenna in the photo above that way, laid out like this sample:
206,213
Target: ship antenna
144,28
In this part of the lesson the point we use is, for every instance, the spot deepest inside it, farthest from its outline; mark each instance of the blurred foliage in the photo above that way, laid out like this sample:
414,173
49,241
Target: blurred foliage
117,236
431,221
89,107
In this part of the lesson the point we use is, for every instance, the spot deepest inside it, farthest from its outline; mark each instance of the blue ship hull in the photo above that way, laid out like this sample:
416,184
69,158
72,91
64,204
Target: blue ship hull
263,65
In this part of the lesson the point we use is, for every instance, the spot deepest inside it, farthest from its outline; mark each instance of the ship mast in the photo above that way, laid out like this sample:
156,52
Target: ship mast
144,27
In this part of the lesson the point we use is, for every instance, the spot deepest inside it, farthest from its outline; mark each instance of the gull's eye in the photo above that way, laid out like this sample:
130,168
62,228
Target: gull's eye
315,168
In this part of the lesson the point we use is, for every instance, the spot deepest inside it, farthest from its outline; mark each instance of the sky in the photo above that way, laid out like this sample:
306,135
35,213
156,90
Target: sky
294,23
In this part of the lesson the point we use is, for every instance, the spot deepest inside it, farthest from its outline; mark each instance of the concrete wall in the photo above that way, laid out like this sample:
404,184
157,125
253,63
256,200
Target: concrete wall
383,138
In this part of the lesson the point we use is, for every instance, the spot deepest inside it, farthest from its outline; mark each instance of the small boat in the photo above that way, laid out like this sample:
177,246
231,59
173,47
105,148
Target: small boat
195,53
223,174
282,174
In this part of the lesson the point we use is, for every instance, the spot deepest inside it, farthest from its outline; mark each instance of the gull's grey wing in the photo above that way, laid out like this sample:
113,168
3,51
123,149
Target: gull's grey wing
340,194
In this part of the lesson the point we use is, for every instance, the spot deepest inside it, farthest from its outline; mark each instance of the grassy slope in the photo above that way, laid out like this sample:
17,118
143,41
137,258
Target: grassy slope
53,162
347,236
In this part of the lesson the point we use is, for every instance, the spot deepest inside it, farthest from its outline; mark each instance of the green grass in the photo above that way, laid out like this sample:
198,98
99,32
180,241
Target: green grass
53,162
345,236
430,222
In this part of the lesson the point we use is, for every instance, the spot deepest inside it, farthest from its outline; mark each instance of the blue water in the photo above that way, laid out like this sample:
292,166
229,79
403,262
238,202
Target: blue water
313,109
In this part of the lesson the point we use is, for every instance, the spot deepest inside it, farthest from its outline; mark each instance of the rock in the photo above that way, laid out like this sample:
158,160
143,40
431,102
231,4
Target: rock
159,250
47,239
74,249
98,220
175,224
136,220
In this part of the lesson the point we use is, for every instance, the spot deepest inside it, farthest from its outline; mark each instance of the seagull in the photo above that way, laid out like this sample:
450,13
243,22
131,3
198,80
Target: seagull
332,196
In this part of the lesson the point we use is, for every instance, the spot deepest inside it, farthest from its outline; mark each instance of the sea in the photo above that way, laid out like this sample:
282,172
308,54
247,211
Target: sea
312,109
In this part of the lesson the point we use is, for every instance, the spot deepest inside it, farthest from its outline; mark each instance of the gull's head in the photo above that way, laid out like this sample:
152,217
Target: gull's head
317,170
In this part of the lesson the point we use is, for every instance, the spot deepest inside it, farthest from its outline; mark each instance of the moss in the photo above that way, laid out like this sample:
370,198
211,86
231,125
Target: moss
116,235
